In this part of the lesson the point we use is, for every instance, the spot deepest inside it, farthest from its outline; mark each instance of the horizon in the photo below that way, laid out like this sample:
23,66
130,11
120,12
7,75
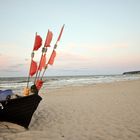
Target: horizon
88,75
100,37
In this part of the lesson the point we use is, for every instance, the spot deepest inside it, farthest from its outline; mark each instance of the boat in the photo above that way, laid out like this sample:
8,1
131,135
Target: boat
19,109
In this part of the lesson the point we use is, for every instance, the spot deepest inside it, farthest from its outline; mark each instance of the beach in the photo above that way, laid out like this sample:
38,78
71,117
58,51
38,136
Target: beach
103,111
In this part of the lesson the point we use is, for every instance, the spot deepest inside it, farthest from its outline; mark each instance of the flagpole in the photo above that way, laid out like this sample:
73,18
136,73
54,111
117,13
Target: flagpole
33,64
32,56
44,71
44,50
39,65
55,46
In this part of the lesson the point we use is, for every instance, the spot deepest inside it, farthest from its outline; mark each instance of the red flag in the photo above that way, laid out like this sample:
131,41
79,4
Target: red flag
33,68
48,39
51,60
39,84
42,62
38,43
60,33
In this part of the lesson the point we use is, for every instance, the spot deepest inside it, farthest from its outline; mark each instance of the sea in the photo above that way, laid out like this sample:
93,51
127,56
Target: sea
17,84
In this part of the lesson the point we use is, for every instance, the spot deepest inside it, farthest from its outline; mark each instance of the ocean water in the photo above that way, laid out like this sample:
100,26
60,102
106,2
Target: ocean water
18,83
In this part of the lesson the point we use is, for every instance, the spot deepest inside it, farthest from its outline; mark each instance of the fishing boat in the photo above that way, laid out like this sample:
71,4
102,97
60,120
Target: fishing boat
19,109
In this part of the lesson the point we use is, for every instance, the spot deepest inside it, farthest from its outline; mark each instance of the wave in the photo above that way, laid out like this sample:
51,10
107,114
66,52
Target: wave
60,81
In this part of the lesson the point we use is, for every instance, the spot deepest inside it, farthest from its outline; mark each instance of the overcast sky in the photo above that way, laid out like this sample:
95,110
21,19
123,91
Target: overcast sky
100,36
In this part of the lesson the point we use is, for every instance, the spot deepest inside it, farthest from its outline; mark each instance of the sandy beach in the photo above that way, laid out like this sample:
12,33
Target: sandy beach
109,111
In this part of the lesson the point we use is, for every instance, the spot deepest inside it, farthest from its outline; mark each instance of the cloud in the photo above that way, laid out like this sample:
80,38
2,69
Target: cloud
107,47
70,56
15,50
122,45
8,70
97,55
26,59
16,65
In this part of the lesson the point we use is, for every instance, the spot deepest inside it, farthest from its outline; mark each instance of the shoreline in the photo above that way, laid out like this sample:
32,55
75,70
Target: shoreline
88,85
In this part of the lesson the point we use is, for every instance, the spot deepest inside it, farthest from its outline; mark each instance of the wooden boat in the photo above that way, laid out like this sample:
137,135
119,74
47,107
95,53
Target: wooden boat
20,109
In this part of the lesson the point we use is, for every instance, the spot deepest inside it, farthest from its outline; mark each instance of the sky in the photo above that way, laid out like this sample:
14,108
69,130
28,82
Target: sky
100,36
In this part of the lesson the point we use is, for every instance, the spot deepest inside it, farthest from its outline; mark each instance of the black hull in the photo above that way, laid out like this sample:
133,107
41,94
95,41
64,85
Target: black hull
19,110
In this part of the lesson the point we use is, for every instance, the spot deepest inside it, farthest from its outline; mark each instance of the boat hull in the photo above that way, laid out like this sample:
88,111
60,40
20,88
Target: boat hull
19,110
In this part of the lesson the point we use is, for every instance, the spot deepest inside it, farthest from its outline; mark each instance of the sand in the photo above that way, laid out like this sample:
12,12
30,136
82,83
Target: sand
108,111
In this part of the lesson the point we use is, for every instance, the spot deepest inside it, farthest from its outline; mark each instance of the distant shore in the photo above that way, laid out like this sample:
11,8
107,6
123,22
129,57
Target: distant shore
132,72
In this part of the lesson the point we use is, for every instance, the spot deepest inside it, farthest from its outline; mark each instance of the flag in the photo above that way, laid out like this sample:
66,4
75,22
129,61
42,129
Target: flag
60,33
33,68
51,60
38,43
48,39
39,84
42,62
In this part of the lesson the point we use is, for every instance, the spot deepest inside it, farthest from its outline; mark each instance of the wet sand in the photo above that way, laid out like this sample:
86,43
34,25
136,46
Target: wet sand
108,111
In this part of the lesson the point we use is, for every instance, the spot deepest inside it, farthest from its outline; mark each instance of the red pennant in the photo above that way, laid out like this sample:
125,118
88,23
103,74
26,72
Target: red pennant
60,33
42,62
39,84
33,68
48,39
38,43
51,60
